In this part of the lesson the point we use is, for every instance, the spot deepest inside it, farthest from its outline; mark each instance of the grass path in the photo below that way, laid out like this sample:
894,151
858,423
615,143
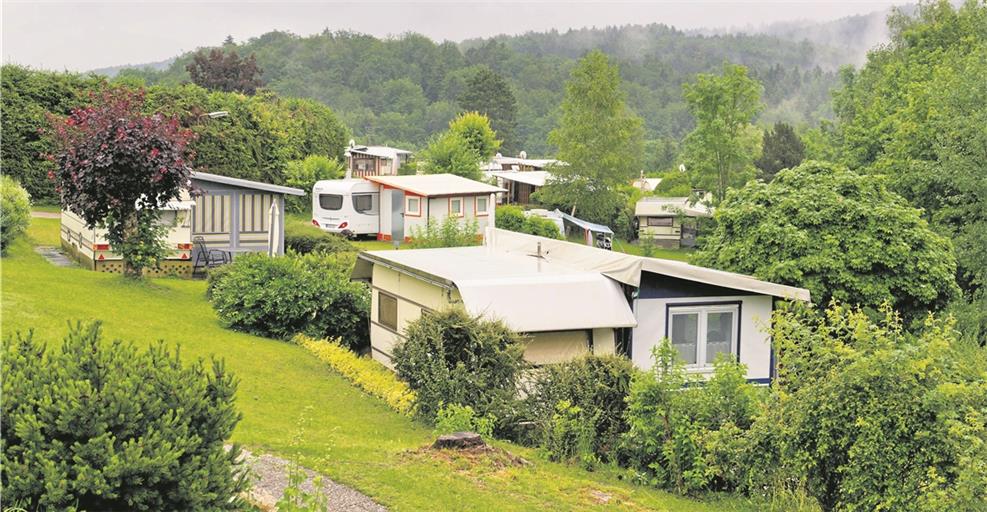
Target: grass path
294,406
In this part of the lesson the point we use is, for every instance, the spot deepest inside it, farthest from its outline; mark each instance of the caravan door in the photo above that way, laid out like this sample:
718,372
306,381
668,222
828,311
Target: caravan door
397,215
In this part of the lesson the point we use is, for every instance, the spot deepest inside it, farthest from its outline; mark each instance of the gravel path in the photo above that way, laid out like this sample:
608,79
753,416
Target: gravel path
270,477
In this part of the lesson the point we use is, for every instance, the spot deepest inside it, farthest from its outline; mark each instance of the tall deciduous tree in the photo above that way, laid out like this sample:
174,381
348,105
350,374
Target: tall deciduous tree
222,70
917,113
781,149
476,130
115,167
489,93
720,152
599,139
842,235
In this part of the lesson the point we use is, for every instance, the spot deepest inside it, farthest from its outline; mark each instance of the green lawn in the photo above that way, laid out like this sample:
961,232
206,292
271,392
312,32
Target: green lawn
657,252
348,435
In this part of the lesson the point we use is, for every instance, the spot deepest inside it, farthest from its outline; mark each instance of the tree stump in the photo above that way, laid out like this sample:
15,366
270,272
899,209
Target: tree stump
459,441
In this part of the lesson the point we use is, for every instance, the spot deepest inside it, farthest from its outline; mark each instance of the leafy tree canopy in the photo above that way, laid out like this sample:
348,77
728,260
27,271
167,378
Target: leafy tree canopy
222,70
841,235
599,139
720,152
115,167
474,128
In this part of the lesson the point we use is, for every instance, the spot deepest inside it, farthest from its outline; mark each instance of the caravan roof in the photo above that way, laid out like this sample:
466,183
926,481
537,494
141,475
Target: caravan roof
435,184
527,292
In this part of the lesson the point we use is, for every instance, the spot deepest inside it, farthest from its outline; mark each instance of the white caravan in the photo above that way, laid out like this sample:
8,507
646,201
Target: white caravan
348,207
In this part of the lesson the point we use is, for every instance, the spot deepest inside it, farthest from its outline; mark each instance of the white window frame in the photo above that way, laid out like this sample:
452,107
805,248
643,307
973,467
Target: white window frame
462,207
407,206
476,206
703,311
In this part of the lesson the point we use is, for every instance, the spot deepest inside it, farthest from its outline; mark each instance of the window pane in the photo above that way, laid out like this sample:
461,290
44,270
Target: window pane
387,310
719,334
330,201
457,206
685,335
481,205
413,206
363,203
660,221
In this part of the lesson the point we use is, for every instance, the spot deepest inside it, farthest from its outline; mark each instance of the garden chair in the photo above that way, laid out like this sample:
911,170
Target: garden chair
205,257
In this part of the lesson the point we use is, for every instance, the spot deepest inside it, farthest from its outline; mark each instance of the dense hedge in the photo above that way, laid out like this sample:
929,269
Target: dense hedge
283,296
449,357
15,211
598,387
256,140
305,239
98,425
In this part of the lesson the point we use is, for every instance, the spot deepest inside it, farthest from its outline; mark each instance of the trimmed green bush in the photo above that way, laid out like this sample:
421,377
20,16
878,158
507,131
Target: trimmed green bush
449,357
283,296
305,239
94,425
15,211
596,387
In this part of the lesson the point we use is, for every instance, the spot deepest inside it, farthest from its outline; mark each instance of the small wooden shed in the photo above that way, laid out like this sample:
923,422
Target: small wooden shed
230,214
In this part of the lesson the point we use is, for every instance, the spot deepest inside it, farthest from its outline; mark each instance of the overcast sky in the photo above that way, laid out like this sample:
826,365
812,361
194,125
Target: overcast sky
83,35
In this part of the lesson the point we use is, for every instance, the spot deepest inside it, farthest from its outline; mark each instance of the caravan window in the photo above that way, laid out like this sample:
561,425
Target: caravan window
387,310
330,201
363,203
700,333
660,221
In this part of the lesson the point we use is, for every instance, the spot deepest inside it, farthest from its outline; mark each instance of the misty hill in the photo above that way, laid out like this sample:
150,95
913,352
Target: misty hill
112,71
400,90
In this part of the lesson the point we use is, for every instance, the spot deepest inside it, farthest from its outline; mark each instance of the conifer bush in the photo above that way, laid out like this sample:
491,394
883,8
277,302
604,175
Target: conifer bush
92,425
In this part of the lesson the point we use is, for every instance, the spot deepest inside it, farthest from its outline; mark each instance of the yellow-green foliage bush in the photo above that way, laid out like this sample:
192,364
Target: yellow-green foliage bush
366,373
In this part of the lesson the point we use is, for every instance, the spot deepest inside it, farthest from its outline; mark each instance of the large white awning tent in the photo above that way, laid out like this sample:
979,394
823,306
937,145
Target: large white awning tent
527,292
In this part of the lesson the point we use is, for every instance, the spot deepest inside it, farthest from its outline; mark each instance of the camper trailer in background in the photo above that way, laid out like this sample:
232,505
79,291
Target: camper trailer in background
348,207
393,207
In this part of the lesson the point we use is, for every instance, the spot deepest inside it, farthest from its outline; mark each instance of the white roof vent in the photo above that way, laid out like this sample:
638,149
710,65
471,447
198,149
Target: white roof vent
523,154
352,143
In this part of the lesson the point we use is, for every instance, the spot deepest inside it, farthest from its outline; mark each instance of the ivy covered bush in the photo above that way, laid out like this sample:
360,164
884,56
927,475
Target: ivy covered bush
450,357
97,425
15,211
594,390
306,238
283,296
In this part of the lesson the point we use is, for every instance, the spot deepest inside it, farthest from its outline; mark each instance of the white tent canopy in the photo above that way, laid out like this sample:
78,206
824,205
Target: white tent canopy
527,292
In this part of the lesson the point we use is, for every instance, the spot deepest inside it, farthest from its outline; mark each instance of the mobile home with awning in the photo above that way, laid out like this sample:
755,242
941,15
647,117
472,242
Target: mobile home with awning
213,213
572,299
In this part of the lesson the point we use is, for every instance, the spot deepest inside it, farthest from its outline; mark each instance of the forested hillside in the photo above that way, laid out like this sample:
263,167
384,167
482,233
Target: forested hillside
399,91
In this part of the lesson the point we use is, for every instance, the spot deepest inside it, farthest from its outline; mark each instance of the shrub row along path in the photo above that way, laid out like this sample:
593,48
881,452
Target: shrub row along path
269,476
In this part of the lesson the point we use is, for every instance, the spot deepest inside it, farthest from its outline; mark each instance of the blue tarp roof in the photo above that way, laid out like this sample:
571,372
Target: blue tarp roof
596,228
